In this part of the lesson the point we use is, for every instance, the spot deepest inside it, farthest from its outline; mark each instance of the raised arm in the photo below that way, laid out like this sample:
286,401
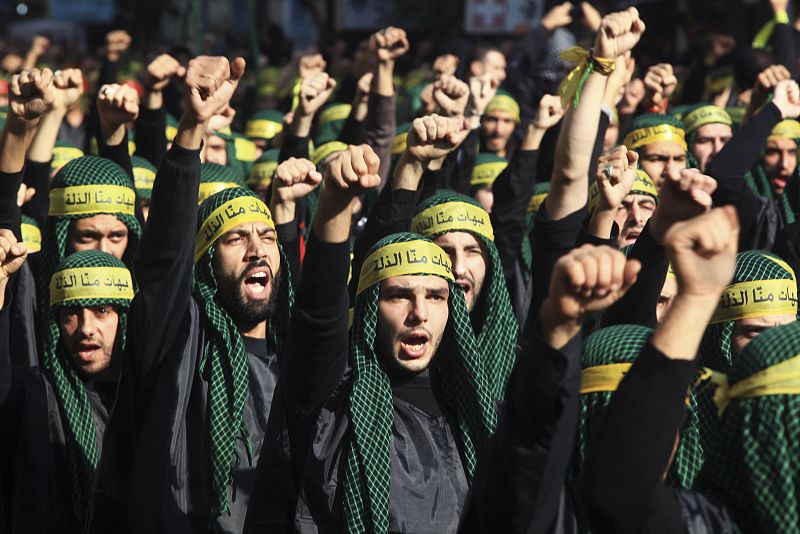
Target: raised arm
117,105
315,90
12,256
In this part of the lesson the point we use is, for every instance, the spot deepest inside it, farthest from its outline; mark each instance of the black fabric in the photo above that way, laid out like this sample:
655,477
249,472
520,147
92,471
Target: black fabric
37,176
787,245
151,134
119,154
293,147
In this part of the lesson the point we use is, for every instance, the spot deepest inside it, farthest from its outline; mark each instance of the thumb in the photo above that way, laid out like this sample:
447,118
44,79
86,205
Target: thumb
633,158
237,69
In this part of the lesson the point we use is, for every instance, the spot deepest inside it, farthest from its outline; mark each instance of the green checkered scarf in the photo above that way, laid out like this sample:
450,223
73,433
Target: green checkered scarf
493,318
73,401
526,253
144,174
758,182
458,369
225,359
753,465
215,177
623,344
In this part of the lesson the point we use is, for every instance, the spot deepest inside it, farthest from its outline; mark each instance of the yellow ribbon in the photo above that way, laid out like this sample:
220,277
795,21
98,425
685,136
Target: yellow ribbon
90,283
571,86
603,377
143,178
536,202
399,143
32,237
400,259
262,129
779,379
786,129
323,151
651,134
452,217
762,37
757,298
487,173
237,211
98,198
334,113
706,115
211,188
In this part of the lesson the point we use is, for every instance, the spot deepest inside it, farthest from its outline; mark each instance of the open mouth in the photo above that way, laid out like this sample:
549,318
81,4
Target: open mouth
255,284
414,346
779,182
87,351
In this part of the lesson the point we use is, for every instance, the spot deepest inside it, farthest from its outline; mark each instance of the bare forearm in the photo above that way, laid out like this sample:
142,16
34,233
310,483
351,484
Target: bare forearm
15,140
283,211
190,134
602,223
407,173
41,149
383,82
301,124
153,100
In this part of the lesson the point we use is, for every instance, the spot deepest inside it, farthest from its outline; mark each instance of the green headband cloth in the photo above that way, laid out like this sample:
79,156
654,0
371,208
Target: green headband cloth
705,114
264,125
642,185
457,368
496,333
31,234
214,178
84,279
488,167
224,358
144,176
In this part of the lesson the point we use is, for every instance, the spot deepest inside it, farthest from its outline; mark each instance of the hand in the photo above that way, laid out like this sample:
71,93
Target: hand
433,137
451,94
310,64
428,103
614,190
549,112
482,90
787,99
12,254
702,251
160,71
40,45
778,5
117,42
389,44
591,17
116,105
31,93
314,92
353,172
25,194
222,119
683,195
619,32
634,93
210,83
363,86
445,64
558,16
294,179
68,85
660,83
619,79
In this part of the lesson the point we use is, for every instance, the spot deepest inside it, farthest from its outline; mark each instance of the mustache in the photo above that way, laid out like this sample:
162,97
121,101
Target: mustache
419,330
253,265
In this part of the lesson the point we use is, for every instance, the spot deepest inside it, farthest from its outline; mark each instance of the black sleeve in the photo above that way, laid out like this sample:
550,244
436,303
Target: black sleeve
638,306
164,263
585,237
5,354
118,153
622,486
289,238
521,472
784,48
433,180
293,147
695,86
109,72
522,65
37,175
10,214
151,135
353,132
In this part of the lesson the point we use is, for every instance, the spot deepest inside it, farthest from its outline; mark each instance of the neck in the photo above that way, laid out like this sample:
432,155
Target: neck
258,331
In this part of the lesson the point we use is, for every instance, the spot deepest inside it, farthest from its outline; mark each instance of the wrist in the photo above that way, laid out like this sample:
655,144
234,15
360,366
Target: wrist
283,210
556,329
153,99
18,125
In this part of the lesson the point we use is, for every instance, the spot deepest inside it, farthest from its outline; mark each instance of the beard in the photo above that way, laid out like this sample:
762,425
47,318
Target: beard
243,311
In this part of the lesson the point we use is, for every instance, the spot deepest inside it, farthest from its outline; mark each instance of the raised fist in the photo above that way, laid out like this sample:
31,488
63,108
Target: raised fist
117,42
310,64
12,254
660,83
31,93
210,83
451,95
481,89
68,85
549,112
161,70
314,92
621,164
684,194
559,16
433,137
445,64
116,105
787,98
619,32
389,44
353,171
294,179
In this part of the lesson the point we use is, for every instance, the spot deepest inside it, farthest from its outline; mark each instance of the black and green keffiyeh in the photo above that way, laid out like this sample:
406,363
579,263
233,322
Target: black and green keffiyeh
144,176
540,192
224,357
493,319
84,279
753,465
607,356
215,177
457,369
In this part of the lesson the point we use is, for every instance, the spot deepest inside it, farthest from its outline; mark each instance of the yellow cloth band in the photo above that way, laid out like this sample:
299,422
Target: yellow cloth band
603,377
487,173
400,259
452,217
788,129
536,202
262,129
32,237
90,283
83,199
505,104
211,188
334,113
671,273
758,298
584,60
171,132
63,155
245,149
323,151
706,115
237,211
780,379
261,175
143,178
399,143
652,134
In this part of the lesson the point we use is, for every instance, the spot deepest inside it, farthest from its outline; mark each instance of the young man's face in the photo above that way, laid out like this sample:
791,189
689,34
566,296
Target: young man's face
99,232
215,150
780,161
631,217
247,268
412,317
708,141
494,64
469,260
659,158
498,126
88,335
746,330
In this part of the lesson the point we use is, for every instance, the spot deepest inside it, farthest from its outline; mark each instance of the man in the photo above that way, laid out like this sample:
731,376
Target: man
498,122
144,175
489,61
54,416
707,128
263,126
660,142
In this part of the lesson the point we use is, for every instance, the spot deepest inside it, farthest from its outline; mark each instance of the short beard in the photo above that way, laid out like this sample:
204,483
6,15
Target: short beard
247,314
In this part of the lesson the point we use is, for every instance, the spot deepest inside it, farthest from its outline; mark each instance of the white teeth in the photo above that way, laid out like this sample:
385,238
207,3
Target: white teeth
259,275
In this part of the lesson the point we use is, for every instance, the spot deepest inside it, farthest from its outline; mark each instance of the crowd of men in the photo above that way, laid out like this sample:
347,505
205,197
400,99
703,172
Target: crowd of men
548,293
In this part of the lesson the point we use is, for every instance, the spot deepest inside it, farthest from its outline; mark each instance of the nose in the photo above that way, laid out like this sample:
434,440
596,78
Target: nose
718,144
636,214
419,311
256,248
459,264
104,245
86,323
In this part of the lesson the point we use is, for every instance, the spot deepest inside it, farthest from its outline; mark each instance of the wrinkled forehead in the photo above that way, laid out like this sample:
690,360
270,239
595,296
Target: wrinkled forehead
662,148
99,222
421,282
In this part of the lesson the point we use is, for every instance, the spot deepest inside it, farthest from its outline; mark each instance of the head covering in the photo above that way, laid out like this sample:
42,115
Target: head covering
331,121
642,185
323,151
785,129
703,114
144,176
224,357
84,279
753,466
214,178
736,114
488,167
540,192
457,370
652,127
789,201
63,153
31,234
608,355
494,322
171,129
261,175
504,102
265,124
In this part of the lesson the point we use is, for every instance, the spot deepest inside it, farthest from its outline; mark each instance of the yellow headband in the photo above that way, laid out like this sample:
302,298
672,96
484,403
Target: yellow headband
261,175
63,155
603,377
170,132
323,151
651,134
779,379
32,237
245,149
452,217
536,202
487,173
758,298
262,129
788,129
706,115
334,113
90,283
231,214
211,188
400,259
98,198
505,104
399,143
143,178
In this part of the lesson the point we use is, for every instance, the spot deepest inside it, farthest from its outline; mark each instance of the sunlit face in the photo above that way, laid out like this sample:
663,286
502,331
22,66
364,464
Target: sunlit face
247,268
412,317
485,198
88,336
780,161
611,137
708,141
631,217
215,150
666,297
659,158
498,126
99,232
469,259
494,64
746,330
